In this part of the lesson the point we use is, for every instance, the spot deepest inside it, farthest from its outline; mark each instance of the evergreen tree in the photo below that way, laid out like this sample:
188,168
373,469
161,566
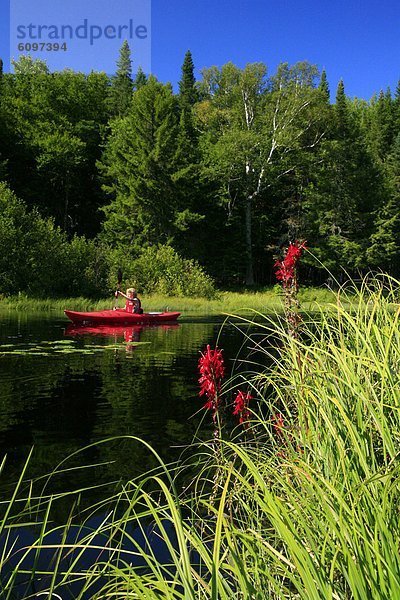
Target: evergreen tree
380,125
187,151
122,85
140,79
342,125
396,111
188,94
345,191
192,192
324,87
384,249
140,165
2,163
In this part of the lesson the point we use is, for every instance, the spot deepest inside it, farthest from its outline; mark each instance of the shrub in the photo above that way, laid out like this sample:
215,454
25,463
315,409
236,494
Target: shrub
160,269
37,258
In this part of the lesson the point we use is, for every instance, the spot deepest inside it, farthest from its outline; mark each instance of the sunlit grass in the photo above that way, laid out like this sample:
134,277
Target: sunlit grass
309,511
266,301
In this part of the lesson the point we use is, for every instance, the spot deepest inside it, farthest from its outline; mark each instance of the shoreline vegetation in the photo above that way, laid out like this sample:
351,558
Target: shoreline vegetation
207,194
264,301
300,501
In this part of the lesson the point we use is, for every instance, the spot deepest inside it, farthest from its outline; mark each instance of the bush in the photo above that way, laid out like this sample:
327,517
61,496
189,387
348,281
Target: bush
37,258
160,269
86,268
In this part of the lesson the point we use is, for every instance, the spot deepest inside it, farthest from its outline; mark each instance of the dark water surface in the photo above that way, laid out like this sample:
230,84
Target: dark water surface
62,389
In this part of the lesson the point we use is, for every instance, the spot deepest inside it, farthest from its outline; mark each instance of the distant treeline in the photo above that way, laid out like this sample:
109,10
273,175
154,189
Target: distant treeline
225,172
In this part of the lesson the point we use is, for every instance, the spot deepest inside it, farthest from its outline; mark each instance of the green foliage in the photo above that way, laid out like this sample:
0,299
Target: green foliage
120,94
27,65
384,249
144,174
188,93
140,79
258,130
225,171
53,126
160,270
324,86
379,126
346,185
37,258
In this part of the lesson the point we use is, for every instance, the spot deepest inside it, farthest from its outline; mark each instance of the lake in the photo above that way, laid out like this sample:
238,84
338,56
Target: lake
62,389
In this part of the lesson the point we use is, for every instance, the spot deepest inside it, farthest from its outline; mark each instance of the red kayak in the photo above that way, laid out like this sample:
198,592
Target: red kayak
120,317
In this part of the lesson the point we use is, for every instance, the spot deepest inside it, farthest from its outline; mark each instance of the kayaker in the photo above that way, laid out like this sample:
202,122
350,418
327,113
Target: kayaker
133,303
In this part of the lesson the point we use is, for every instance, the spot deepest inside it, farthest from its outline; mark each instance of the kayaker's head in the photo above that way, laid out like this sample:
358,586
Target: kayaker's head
131,293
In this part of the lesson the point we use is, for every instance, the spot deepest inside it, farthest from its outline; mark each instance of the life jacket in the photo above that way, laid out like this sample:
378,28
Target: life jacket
133,305
129,305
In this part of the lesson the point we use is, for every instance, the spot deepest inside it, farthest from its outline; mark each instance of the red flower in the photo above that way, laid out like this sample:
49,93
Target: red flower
212,371
241,406
285,269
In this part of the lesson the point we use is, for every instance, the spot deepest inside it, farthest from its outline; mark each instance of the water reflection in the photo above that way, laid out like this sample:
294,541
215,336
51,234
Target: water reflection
107,382
129,334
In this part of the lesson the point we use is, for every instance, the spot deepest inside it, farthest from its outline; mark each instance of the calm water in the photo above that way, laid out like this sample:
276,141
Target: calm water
62,389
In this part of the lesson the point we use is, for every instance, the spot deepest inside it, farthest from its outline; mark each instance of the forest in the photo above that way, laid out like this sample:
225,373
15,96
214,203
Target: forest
192,189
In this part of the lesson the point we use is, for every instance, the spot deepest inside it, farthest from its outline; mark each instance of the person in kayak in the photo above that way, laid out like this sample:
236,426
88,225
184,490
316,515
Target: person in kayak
132,304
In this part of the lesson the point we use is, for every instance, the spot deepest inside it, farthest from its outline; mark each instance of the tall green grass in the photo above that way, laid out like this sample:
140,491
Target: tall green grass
307,511
265,301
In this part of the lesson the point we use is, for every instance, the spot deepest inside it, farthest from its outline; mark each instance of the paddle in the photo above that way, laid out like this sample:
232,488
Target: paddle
119,281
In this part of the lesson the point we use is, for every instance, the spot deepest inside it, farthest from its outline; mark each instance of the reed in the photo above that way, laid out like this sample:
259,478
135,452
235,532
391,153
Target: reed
305,505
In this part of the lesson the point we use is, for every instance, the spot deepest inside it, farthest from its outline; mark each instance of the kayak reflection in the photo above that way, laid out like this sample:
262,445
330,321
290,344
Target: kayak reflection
124,333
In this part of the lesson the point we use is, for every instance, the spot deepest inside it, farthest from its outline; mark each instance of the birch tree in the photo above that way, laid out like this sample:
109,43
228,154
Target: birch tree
252,125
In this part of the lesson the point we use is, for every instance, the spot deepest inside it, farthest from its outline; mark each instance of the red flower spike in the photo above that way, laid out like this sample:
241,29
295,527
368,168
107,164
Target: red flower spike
241,406
285,269
212,371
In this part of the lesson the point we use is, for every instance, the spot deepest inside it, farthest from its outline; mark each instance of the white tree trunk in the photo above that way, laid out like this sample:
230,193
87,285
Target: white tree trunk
249,243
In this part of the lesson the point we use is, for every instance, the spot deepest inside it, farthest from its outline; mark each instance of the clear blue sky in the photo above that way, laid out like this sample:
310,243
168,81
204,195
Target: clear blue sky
358,41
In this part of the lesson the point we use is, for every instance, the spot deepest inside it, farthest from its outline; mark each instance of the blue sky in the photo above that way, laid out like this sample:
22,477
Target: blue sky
354,40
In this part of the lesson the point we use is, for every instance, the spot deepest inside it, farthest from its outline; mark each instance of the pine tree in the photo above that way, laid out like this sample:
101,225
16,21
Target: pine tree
138,163
188,94
341,112
188,164
2,163
384,249
122,86
147,180
384,125
140,79
324,86
396,111
345,192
